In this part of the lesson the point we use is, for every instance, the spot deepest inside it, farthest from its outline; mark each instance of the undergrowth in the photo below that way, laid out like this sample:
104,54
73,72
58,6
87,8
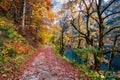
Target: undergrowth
14,48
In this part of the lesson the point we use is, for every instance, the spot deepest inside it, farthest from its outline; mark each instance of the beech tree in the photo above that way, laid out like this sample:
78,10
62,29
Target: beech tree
95,15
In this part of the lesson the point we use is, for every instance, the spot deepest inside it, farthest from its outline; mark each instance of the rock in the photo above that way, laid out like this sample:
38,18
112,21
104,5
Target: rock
25,78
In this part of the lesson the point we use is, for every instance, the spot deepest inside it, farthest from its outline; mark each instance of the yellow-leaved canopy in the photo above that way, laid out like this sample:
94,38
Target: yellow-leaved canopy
42,18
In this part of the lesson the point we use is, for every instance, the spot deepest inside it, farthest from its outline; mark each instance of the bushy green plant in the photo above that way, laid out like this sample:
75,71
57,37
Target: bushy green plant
11,66
13,50
86,50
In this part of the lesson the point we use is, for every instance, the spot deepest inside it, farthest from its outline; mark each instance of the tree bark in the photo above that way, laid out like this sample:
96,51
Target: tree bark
62,43
101,34
24,11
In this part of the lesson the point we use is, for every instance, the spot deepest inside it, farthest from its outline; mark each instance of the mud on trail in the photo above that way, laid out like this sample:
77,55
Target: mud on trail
45,65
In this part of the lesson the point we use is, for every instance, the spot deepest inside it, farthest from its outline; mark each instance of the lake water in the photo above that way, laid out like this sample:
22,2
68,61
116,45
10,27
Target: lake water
70,54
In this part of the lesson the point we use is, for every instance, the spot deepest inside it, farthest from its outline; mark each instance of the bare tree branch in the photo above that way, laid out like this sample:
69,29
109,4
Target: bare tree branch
108,6
85,36
111,30
95,20
90,4
115,40
85,4
111,14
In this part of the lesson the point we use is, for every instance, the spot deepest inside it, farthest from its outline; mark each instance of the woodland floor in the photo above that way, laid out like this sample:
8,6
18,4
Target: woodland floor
45,65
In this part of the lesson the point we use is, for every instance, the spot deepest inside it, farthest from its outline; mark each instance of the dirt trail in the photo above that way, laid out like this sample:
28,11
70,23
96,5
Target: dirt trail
45,65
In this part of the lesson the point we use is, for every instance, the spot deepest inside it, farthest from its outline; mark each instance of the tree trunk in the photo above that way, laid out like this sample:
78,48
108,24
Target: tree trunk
62,43
97,63
101,32
111,59
79,42
24,11
88,31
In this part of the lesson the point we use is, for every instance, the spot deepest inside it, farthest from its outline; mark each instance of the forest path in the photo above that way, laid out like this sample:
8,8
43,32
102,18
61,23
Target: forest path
45,65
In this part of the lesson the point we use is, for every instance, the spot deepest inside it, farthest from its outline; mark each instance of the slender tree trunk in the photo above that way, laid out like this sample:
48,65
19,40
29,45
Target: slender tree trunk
88,35
111,59
62,43
88,31
97,64
101,36
101,33
79,39
101,26
109,63
79,42
24,11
